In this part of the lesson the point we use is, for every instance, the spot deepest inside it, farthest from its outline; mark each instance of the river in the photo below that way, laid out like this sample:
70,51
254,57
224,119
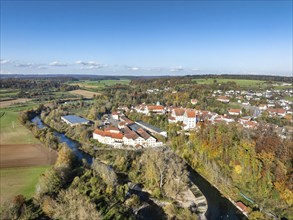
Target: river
218,207
62,138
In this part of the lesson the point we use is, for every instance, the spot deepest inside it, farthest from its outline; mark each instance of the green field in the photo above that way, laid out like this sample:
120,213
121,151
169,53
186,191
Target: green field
12,131
14,181
240,82
98,84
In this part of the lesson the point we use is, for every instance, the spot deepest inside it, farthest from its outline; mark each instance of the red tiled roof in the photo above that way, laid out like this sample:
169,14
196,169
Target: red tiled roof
277,110
122,123
143,133
108,134
190,113
127,120
235,110
242,206
155,107
111,128
131,135
179,111
251,123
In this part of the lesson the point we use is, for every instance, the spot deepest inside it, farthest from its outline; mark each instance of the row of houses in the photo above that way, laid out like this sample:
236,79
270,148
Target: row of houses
148,109
190,118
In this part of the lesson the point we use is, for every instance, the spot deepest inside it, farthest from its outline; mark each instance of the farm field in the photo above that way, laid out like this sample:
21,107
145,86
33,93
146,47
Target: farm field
25,155
7,103
13,132
7,93
98,84
21,180
84,93
22,158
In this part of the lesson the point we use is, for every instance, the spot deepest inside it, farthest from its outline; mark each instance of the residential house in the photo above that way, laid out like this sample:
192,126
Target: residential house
176,115
189,119
250,124
235,112
277,112
223,99
243,120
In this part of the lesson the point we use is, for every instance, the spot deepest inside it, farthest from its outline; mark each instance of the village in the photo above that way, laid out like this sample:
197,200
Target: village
119,131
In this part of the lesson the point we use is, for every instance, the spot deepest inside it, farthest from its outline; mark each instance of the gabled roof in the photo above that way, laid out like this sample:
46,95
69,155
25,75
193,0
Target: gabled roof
190,113
277,110
111,129
108,134
127,120
235,110
155,107
131,135
143,133
179,111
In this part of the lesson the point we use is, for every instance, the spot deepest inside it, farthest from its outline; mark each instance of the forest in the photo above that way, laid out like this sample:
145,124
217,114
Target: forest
243,164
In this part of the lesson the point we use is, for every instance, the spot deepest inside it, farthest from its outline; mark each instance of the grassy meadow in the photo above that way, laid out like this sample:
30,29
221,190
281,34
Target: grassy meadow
12,131
240,82
20,180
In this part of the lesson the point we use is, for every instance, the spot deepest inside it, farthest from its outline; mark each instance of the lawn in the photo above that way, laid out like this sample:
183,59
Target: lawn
12,131
14,181
98,84
240,82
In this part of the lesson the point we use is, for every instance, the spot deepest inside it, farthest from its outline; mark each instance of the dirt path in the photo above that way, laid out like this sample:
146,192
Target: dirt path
25,155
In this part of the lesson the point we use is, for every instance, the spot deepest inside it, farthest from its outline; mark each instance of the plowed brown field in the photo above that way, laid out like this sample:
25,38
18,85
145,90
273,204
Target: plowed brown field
25,155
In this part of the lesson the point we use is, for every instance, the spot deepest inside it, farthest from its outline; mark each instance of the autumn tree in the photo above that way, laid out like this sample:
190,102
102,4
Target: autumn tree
71,205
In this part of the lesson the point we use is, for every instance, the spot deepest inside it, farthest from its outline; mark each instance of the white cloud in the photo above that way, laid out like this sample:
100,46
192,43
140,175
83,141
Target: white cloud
24,65
195,69
87,63
90,64
134,68
3,61
42,67
176,69
58,64
92,67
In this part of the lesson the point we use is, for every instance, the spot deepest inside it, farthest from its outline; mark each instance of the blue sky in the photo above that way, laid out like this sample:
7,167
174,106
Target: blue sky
146,37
